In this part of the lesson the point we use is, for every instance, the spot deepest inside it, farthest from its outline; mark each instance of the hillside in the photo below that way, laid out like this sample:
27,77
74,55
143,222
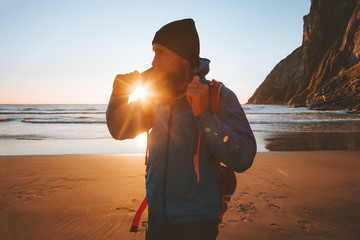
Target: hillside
324,72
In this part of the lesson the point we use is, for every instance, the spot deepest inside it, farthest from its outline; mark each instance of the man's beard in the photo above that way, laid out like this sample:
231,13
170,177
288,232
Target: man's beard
174,82
169,83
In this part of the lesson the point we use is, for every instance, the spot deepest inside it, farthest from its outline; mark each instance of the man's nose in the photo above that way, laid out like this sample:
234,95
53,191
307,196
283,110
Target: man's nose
155,62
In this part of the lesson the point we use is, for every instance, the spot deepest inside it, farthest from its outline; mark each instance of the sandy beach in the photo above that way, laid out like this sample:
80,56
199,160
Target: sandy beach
285,195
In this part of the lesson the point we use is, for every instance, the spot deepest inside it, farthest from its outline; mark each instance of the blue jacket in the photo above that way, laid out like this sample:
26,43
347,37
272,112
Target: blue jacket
174,195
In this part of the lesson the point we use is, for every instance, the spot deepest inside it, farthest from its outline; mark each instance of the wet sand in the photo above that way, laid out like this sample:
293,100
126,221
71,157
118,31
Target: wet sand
285,195
307,141
266,141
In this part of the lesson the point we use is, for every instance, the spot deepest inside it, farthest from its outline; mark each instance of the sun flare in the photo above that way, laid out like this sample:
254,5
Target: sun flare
141,140
139,93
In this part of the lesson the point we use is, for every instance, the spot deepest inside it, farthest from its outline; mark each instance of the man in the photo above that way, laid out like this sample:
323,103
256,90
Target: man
183,197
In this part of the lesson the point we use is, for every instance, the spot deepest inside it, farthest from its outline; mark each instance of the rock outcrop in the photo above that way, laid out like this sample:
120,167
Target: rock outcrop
324,72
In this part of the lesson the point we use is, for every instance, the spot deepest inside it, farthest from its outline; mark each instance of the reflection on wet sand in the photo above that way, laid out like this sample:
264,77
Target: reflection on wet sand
307,141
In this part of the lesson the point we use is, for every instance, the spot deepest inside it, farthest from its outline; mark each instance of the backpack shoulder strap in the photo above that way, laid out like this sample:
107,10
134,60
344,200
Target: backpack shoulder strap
227,178
214,96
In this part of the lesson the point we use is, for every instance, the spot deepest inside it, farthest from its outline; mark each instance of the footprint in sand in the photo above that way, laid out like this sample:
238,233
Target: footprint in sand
260,194
125,208
271,200
305,225
243,219
247,208
267,197
274,208
264,195
233,221
241,195
308,210
279,183
30,195
145,225
278,228
246,219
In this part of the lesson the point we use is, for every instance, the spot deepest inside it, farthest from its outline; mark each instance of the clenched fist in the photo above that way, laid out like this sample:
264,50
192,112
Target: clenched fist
197,95
124,83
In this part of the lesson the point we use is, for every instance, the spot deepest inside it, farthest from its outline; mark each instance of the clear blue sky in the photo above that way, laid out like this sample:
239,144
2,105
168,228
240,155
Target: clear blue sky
69,51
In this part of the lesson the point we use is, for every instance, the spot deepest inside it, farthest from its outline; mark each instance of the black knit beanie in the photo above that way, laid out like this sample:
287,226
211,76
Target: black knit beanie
182,38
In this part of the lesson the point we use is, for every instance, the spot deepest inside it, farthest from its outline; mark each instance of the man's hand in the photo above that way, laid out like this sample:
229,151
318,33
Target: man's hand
124,83
197,95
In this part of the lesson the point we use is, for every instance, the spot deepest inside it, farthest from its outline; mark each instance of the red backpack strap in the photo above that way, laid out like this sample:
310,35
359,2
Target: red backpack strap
214,96
135,223
227,178
136,220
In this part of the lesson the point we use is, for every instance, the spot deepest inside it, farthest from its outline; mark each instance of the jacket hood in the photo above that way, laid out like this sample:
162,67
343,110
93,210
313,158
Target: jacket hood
204,68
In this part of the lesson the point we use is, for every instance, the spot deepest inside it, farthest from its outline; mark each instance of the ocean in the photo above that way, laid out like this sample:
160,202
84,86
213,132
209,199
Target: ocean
81,129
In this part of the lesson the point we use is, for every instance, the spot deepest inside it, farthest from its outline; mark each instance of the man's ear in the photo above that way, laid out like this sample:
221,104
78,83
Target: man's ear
188,69
186,63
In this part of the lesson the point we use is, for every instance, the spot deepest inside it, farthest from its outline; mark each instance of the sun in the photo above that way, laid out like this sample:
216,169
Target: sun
141,140
139,93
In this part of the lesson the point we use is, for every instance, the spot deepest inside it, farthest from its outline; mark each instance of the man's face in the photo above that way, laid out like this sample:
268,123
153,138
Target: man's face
172,71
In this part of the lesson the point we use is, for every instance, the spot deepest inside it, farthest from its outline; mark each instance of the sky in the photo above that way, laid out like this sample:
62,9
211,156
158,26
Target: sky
69,51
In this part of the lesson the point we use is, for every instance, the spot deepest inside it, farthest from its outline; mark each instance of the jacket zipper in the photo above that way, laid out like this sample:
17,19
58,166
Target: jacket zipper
167,159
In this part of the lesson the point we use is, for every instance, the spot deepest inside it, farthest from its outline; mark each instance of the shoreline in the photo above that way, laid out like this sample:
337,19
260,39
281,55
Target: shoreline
284,195
266,142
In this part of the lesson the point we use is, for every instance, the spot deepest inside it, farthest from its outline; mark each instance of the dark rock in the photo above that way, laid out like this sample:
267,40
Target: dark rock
323,73
341,92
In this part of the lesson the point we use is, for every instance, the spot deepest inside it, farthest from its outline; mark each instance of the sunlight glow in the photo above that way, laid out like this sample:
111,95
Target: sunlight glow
139,93
141,140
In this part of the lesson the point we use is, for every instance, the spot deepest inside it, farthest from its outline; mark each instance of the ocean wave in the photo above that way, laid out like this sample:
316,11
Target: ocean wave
296,113
287,131
23,137
46,137
304,121
278,113
32,120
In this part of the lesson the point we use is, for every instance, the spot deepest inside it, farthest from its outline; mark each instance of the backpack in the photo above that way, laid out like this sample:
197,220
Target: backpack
226,176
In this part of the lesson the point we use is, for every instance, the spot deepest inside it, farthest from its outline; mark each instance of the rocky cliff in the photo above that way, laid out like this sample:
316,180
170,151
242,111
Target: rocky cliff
324,72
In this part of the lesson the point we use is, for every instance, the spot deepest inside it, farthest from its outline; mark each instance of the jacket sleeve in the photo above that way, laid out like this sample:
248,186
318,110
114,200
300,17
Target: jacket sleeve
229,135
125,120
